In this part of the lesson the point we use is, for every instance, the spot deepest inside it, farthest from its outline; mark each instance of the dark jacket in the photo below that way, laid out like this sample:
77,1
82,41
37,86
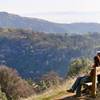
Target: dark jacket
96,61
96,64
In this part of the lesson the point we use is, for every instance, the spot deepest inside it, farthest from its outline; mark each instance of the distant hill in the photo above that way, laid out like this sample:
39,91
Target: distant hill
38,25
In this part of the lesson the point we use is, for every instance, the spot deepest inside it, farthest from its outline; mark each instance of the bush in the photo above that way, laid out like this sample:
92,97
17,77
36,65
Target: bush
2,95
79,65
13,85
49,80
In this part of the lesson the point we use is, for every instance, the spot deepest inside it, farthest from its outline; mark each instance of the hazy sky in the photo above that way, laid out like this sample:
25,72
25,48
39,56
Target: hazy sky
62,11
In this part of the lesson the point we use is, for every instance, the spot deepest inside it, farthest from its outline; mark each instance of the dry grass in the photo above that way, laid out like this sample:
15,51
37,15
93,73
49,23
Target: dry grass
53,92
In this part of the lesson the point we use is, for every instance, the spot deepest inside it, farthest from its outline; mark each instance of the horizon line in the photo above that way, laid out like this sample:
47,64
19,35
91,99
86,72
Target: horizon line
31,17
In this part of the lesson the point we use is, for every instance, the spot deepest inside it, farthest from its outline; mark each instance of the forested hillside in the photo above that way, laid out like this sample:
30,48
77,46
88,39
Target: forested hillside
34,54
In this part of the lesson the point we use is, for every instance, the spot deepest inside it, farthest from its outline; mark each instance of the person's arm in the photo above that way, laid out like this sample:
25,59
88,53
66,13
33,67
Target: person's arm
94,65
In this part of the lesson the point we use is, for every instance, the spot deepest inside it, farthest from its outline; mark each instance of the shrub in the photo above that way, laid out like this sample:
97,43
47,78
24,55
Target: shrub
2,95
79,65
13,85
50,79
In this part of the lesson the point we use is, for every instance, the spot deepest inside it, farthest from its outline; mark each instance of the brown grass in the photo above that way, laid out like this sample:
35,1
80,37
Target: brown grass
53,92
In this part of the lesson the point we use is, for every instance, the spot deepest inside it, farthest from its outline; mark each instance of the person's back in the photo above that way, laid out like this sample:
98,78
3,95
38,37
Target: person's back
97,63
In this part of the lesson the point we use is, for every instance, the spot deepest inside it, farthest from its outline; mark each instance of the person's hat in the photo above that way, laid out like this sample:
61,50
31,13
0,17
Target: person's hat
98,52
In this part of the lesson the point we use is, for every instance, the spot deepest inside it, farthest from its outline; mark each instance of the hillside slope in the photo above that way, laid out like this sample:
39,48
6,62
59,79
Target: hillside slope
34,54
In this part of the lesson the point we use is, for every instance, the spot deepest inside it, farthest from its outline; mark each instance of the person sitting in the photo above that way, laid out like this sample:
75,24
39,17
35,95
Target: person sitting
97,63
86,78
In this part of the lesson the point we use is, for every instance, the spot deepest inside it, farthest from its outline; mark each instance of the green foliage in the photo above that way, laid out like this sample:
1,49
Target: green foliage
30,81
80,65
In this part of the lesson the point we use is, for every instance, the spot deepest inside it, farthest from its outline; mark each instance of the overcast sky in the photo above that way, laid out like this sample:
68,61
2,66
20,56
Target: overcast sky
61,11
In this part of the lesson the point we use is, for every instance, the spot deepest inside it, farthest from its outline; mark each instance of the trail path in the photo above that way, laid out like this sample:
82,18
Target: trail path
71,96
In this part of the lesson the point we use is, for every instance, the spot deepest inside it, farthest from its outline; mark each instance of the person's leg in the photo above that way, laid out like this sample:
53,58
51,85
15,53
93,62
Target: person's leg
98,79
75,85
82,81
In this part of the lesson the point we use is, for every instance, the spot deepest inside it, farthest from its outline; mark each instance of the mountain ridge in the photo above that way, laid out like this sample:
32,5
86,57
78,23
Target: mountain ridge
39,25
